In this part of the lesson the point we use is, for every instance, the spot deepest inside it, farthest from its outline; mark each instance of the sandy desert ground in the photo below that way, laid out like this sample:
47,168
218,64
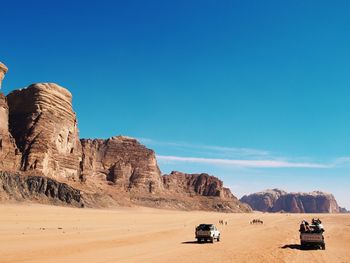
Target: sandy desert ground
38,233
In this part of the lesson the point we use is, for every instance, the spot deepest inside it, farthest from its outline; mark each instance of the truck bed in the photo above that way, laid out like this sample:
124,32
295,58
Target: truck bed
312,239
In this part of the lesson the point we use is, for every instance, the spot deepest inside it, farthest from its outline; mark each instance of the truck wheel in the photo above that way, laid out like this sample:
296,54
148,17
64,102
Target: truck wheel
212,240
323,246
199,240
218,239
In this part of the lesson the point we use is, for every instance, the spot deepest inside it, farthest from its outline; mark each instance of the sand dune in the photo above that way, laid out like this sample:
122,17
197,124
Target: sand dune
37,233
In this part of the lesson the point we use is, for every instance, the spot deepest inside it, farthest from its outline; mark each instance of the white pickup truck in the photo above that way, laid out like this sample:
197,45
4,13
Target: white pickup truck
207,232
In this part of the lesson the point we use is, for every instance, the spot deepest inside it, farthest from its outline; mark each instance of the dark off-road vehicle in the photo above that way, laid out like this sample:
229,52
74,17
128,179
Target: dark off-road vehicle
311,236
207,232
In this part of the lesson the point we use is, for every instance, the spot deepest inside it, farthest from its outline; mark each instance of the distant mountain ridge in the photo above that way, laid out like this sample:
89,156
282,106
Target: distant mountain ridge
276,200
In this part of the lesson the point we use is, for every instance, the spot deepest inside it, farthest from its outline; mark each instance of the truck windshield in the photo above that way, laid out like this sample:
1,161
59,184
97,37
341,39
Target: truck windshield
205,227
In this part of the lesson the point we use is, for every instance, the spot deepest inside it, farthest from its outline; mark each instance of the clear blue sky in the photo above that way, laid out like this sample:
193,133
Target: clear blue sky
212,87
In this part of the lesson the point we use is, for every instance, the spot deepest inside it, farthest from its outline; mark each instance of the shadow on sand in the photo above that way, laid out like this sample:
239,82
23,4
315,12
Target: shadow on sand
292,246
298,247
192,242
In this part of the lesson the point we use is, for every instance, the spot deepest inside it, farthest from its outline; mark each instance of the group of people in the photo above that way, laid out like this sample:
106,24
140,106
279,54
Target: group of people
315,227
222,222
256,221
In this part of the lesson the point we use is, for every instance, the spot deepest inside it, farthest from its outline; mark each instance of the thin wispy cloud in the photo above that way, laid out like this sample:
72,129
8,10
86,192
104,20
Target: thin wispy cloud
342,161
208,149
242,163
233,156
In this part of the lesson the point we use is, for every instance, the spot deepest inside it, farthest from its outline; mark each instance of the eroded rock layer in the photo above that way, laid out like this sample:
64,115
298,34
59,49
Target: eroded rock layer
38,188
44,126
122,161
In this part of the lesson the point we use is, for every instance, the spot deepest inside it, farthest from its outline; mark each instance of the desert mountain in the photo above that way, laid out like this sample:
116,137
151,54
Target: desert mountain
42,158
276,200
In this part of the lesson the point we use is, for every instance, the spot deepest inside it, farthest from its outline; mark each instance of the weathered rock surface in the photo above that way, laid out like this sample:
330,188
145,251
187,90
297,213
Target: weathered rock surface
44,126
203,185
276,201
3,71
314,202
263,201
37,188
122,161
9,154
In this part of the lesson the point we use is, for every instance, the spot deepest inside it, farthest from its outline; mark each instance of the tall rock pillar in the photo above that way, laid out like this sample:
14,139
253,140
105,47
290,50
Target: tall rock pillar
3,71
44,125
9,154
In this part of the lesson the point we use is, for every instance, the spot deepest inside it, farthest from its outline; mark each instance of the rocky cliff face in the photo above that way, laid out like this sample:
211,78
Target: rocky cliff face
3,71
9,154
38,188
201,184
205,191
314,202
123,162
276,200
44,126
263,201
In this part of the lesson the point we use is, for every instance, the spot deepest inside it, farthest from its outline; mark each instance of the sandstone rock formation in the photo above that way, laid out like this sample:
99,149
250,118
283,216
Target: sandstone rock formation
205,190
201,184
3,71
263,201
38,188
276,201
314,202
122,161
46,150
44,126
9,154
